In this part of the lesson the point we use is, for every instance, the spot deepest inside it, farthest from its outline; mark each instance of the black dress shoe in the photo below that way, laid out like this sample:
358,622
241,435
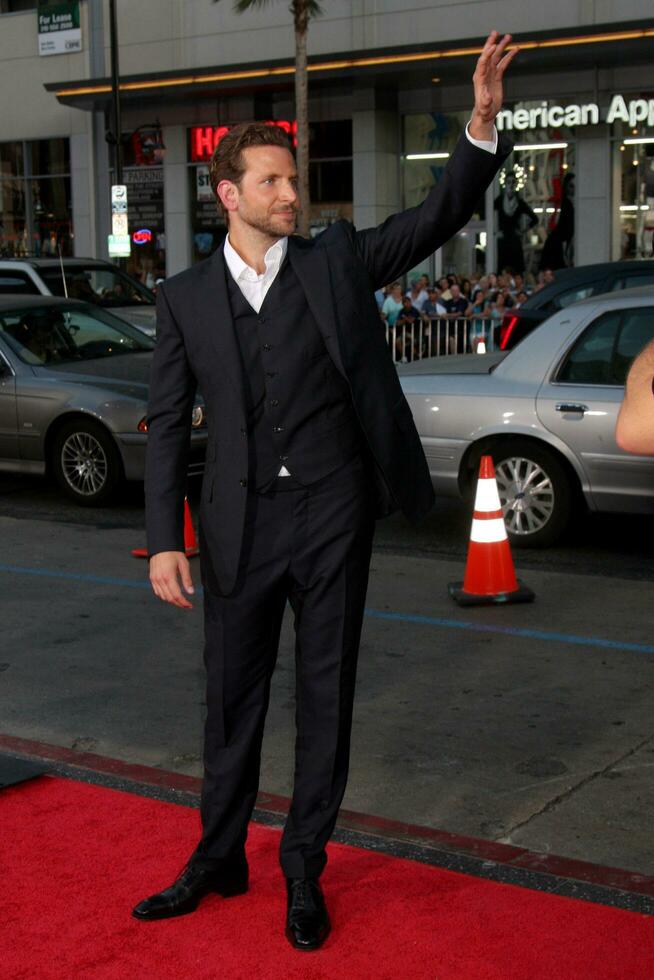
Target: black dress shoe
193,884
307,921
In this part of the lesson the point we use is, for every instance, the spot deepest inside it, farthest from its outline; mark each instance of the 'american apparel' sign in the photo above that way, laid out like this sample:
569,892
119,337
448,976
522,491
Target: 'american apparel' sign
545,116
59,28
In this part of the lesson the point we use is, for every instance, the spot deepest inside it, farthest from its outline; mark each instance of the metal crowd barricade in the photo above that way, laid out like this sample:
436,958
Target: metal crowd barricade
440,337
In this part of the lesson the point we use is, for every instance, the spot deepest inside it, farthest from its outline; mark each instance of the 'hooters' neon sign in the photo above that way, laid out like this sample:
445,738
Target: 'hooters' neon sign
205,139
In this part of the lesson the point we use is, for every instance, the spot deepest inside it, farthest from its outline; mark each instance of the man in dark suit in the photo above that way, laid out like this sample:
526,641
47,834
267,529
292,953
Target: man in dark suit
310,438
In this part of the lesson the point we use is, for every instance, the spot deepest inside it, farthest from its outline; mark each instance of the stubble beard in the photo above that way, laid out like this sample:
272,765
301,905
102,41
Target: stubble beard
270,224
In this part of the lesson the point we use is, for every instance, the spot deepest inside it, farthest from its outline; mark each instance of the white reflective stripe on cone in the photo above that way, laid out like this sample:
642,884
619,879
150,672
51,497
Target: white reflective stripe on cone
487,532
487,497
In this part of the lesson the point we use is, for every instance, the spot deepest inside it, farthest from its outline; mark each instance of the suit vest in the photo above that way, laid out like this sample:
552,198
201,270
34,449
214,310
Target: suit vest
300,411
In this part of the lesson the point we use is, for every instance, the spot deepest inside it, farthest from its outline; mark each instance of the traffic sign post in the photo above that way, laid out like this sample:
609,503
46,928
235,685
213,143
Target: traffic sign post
119,240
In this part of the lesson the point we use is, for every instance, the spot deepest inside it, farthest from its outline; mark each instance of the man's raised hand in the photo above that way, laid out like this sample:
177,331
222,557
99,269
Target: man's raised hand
487,81
167,569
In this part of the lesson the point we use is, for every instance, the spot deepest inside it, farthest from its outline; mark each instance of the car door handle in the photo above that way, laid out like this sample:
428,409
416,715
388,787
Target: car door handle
571,407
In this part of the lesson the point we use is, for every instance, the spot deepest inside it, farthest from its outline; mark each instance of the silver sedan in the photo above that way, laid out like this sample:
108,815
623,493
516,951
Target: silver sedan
545,412
73,396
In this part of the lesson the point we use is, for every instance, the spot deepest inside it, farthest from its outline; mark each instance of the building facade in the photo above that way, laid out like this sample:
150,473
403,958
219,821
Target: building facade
389,94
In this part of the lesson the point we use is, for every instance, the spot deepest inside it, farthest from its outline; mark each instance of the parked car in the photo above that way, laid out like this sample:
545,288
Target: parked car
91,280
73,396
546,413
569,286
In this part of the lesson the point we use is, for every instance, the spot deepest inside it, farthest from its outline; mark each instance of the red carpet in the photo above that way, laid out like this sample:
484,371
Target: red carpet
75,858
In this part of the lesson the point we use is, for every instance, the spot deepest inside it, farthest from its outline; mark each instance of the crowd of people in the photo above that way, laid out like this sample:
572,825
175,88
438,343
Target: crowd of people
457,313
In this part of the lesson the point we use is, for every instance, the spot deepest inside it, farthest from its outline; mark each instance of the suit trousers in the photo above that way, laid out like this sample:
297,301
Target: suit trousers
309,546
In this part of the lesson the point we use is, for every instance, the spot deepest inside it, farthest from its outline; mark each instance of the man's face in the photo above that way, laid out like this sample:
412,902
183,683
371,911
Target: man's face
406,302
423,282
266,198
455,290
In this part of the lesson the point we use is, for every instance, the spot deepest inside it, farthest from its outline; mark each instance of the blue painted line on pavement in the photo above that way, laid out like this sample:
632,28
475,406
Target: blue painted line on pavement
75,576
569,638
586,641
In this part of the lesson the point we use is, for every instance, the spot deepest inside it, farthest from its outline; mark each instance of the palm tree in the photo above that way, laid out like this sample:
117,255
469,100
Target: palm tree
303,11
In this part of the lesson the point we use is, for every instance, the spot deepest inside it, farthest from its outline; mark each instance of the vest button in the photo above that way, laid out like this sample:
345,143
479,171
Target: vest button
278,428
283,458
274,402
243,483
266,347
261,319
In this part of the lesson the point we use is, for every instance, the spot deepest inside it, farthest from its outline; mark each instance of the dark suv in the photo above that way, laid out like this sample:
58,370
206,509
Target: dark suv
570,285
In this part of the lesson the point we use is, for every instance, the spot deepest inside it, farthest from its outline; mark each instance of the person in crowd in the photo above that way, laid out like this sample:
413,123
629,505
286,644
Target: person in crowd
392,305
444,286
520,298
456,309
634,431
466,289
432,310
418,291
497,307
380,296
433,305
407,336
480,321
482,285
518,284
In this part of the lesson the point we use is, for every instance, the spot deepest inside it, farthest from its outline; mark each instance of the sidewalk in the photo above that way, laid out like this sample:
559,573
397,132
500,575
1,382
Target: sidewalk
528,725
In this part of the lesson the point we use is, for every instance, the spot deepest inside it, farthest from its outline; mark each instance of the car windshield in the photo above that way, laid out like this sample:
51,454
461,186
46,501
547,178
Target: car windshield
64,335
101,285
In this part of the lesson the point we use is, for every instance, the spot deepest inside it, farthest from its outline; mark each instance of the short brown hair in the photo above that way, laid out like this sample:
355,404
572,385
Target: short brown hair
227,161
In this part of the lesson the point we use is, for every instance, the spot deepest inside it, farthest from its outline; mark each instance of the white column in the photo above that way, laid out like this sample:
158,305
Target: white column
80,179
491,243
176,201
592,196
375,161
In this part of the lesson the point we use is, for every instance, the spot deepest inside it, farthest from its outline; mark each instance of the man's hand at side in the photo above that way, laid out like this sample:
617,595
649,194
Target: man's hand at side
167,569
487,81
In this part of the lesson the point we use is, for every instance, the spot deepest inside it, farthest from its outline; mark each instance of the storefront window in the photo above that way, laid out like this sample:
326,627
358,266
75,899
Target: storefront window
145,203
633,158
429,139
534,199
35,198
533,202
51,211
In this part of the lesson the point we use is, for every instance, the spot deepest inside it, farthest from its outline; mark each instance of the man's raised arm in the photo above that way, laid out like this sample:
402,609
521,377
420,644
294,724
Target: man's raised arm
410,236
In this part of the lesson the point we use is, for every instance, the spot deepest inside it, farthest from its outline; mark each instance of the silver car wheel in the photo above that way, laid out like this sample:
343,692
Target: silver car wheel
526,495
84,463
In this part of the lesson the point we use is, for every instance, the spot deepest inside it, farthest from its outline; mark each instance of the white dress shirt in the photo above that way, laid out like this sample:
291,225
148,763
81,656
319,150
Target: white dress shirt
254,285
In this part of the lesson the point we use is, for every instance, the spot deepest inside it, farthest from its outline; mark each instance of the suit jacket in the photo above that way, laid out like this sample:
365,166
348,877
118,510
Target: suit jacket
197,348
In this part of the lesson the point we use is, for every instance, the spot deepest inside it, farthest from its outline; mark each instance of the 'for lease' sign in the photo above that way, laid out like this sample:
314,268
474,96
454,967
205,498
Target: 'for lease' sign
59,27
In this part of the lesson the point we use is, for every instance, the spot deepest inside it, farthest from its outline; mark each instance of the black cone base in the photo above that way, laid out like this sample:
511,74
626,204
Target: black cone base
13,770
522,594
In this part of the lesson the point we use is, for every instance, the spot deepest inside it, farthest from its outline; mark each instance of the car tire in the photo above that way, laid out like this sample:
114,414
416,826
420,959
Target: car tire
86,462
536,492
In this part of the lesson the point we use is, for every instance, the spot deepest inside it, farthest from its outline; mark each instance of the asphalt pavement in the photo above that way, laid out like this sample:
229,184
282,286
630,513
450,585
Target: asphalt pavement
524,724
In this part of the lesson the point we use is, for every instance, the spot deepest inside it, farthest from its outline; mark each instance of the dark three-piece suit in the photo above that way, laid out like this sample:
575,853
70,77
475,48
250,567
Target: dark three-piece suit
307,383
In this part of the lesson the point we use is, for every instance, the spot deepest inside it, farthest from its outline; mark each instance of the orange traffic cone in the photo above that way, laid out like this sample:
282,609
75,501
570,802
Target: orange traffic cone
489,576
190,543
